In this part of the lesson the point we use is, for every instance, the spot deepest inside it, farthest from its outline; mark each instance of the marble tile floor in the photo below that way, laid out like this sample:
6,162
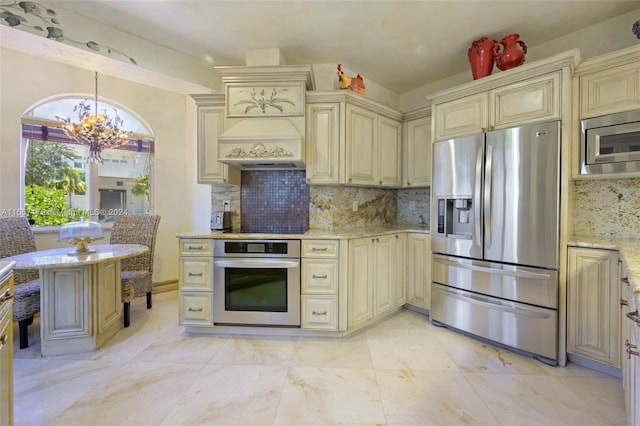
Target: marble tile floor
402,371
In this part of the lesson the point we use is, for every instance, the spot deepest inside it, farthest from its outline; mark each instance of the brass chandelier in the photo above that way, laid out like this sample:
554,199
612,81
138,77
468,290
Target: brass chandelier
98,131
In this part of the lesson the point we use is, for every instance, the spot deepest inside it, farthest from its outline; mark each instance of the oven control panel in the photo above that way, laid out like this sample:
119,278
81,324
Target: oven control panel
257,248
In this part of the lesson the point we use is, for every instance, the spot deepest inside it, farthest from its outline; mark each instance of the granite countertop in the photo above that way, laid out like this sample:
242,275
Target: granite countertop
311,234
629,251
60,257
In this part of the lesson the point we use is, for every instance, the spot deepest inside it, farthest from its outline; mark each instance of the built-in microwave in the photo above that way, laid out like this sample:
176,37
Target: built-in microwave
610,144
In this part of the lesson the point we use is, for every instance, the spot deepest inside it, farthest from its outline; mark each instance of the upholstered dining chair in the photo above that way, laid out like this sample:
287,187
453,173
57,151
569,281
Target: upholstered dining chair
16,237
136,272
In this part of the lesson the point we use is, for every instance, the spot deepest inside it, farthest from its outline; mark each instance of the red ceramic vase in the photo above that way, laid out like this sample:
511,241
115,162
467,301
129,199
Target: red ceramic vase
481,57
510,56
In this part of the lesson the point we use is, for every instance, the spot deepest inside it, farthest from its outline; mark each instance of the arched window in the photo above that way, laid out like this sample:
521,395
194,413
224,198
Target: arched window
60,184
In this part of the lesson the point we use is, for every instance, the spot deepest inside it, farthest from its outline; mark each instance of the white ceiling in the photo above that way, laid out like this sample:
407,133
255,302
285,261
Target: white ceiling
398,44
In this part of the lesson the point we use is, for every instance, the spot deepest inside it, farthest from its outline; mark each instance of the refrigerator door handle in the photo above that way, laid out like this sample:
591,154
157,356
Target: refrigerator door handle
518,274
488,183
492,303
476,198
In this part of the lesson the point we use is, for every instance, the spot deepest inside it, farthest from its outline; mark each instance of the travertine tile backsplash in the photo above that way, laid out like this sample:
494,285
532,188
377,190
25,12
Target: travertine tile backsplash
607,207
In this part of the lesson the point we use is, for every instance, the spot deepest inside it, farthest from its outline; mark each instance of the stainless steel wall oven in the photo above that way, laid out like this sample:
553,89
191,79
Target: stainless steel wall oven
256,282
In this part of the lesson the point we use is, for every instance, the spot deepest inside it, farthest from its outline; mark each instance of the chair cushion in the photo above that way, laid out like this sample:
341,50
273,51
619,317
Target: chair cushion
135,284
27,300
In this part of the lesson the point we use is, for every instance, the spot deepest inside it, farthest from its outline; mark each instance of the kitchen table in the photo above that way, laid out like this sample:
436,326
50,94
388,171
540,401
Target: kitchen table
80,305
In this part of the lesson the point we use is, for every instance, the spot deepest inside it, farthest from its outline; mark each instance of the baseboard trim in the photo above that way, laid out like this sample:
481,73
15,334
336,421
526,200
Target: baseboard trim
163,286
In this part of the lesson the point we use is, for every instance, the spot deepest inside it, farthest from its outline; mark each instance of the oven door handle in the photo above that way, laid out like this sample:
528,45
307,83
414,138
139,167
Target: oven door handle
252,263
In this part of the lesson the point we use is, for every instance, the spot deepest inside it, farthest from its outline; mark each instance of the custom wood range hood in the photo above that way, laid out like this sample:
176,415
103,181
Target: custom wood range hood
264,125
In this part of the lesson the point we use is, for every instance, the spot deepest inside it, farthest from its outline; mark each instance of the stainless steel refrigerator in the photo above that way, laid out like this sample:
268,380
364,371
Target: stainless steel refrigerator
494,233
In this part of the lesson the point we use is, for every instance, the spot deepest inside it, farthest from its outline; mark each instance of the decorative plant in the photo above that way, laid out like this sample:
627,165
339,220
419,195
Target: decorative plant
12,14
263,102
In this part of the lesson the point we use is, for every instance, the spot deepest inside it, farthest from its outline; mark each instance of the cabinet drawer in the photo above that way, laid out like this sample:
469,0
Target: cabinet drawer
195,308
196,247
195,274
319,248
319,276
320,312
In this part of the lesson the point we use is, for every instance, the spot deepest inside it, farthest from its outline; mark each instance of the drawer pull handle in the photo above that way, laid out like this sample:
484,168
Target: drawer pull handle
630,349
195,247
319,277
633,316
319,249
3,340
191,274
6,296
624,280
324,313
624,302
195,310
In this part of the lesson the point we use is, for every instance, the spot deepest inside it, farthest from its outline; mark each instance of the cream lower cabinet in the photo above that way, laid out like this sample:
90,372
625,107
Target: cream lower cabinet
6,349
418,269
630,349
374,273
593,307
210,110
531,100
319,284
195,283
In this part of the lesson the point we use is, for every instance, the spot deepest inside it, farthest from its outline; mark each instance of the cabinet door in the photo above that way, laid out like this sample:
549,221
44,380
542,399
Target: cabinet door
362,146
210,126
323,143
610,91
464,116
418,270
385,273
530,101
400,292
6,360
417,153
389,152
361,281
593,297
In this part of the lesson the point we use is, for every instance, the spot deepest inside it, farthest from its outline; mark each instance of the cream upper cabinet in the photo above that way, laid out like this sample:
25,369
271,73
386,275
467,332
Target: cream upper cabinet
389,152
529,101
210,111
464,116
323,143
418,264
352,140
417,153
610,83
593,310
362,146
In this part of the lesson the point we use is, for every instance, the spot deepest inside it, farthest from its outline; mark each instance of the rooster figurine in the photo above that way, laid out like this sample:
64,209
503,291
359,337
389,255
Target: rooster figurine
355,84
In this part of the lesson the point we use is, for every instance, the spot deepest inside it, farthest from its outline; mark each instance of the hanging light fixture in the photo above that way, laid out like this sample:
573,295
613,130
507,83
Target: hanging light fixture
98,131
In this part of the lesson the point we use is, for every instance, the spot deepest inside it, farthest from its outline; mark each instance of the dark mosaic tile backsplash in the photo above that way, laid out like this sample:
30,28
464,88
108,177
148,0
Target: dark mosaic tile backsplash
274,201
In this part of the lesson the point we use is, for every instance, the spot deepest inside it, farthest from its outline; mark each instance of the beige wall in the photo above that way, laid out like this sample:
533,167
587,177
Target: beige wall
607,36
26,80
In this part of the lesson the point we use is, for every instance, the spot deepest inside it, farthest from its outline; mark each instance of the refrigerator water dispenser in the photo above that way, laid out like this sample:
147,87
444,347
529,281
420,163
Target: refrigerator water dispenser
455,218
